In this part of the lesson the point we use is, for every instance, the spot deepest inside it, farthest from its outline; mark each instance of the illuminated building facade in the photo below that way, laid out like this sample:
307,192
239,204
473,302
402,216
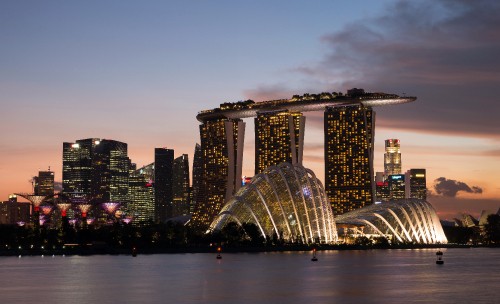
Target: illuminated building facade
180,188
397,186
222,158
164,160
111,171
78,168
392,157
13,212
416,184
97,170
403,221
349,136
141,195
44,183
285,201
382,193
279,137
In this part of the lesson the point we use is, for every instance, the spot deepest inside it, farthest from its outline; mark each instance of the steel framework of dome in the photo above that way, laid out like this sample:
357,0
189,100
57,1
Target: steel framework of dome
285,200
413,221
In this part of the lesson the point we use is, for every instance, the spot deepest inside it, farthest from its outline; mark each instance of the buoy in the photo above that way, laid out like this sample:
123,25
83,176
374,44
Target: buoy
314,258
439,256
218,253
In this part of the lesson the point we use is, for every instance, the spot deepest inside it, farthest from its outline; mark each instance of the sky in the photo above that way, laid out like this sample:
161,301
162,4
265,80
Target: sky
139,72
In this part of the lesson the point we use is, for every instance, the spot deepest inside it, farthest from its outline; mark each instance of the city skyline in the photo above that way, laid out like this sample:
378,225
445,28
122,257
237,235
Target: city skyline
67,67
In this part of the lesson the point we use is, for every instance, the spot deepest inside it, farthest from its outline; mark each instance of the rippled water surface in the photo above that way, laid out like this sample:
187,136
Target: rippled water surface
372,276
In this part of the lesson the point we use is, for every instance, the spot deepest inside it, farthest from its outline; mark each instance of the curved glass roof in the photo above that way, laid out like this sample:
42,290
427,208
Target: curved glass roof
413,221
286,201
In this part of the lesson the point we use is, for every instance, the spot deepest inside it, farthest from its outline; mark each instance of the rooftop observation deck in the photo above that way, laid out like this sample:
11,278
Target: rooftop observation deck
304,103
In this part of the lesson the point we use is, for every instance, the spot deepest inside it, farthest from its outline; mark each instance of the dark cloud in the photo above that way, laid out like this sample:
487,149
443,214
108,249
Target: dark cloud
444,52
450,187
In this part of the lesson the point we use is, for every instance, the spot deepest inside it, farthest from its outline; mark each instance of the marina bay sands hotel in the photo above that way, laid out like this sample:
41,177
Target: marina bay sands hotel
349,125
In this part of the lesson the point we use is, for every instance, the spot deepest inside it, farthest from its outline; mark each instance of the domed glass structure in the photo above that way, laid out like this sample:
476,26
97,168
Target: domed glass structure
286,201
412,221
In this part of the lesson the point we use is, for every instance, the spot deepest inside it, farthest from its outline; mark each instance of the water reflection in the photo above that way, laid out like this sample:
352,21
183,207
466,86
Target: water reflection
373,276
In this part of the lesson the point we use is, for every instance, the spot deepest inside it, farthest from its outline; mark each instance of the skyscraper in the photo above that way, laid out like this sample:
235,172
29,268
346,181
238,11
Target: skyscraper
392,157
111,171
44,183
197,182
416,184
222,157
96,169
349,136
180,182
78,169
141,194
397,186
279,137
164,159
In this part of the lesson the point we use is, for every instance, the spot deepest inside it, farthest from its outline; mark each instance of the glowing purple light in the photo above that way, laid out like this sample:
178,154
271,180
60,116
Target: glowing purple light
127,220
110,207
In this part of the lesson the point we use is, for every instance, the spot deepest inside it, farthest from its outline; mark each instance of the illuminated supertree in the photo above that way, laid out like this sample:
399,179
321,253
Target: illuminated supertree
46,209
73,222
84,208
35,201
42,220
90,220
127,220
110,207
64,207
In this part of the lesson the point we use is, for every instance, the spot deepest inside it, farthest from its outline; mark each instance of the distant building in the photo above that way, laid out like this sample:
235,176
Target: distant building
397,186
97,169
13,212
197,181
279,137
44,184
392,157
382,193
222,158
180,186
141,194
164,159
349,136
416,184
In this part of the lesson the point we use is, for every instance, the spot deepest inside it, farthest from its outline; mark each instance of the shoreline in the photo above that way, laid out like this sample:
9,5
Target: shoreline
90,250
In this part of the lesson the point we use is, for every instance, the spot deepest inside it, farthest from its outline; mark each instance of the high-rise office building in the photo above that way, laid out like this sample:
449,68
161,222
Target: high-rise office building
397,186
382,193
222,158
78,168
392,157
180,189
141,195
416,184
111,171
349,136
164,159
44,183
197,182
279,137
96,169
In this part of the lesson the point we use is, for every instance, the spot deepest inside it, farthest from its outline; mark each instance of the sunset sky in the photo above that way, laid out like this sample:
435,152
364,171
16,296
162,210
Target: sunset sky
139,71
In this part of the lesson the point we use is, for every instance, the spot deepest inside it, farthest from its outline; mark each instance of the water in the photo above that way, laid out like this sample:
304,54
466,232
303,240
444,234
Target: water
374,276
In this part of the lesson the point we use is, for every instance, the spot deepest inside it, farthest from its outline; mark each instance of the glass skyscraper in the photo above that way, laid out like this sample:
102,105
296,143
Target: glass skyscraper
349,137
392,157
